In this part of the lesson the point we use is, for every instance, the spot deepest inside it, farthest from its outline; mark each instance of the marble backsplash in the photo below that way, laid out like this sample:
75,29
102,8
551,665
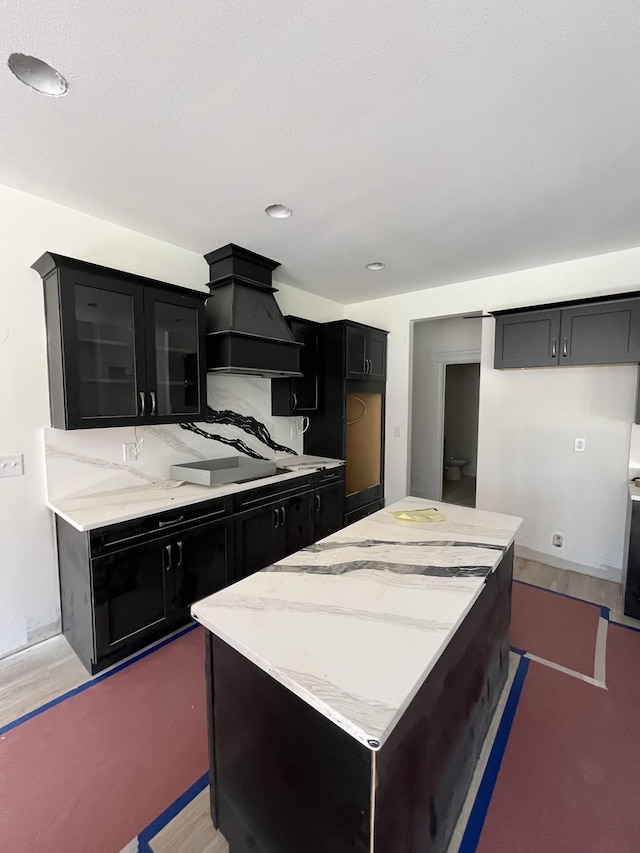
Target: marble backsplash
89,461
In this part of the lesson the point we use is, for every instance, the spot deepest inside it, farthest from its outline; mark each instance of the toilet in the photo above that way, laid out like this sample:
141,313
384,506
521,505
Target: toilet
453,468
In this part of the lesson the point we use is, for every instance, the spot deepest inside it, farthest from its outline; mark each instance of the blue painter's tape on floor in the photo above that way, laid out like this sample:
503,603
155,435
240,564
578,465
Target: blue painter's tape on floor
96,680
169,813
480,807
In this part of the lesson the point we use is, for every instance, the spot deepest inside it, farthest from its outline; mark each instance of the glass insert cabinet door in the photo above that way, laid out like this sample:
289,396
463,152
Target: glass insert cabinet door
105,361
175,337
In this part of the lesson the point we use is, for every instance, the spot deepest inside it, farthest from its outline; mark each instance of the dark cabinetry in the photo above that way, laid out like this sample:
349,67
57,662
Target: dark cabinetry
122,349
301,395
125,585
631,579
271,523
366,352
328,502
599,332
351,423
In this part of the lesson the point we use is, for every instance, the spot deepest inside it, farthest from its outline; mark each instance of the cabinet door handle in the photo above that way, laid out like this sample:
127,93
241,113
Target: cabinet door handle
317,503
153,402
180,554
554,348
565,342
167,548
284,516
366,365
276,518
172,521
142,405
295,400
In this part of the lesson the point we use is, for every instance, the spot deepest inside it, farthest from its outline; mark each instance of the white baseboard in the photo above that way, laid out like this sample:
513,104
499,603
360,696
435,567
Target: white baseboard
607,573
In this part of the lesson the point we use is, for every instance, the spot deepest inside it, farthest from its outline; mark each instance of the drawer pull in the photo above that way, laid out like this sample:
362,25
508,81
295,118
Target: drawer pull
284,516
142,405
276,518
554,348
153,402
173,521
170,557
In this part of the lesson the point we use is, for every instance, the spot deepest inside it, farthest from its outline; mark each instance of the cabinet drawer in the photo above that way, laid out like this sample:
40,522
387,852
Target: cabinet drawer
272,492
117,536
362,512
328,476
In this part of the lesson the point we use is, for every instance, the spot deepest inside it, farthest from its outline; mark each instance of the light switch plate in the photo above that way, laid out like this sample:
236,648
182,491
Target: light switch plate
11,466
579,445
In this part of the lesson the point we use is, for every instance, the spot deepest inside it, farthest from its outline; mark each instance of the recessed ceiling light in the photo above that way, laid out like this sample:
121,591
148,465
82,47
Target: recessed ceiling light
376,265
278,211
38,75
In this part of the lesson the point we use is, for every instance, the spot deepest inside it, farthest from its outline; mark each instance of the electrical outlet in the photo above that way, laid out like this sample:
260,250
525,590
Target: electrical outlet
396,432
129,451
557,540
294,430
579,445
11,466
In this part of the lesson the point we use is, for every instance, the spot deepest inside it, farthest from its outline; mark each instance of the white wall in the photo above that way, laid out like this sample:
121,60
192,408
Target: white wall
29,226
603,428
433,342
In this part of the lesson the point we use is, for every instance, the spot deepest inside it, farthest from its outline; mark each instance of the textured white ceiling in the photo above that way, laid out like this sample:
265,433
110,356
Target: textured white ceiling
450,139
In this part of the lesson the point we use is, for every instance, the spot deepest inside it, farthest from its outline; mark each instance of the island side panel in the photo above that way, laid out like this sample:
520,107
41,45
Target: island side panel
424,769
284,778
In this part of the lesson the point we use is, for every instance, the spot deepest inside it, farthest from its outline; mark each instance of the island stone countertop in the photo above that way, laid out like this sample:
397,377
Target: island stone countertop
354,623
90,510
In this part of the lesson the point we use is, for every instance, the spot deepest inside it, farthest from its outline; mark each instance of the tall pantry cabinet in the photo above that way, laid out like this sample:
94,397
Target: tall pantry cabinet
350,425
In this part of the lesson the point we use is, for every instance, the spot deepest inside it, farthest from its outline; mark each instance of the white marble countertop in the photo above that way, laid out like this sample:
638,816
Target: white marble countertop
89,510
354,624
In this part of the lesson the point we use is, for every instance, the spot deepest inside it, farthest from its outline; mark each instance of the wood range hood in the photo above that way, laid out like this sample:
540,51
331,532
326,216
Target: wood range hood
246,332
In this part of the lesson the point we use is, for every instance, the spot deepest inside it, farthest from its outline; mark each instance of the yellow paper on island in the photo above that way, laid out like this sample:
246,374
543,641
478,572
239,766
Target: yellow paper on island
421,515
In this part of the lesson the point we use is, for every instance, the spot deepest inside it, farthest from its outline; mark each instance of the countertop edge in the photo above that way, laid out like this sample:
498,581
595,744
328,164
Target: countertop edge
172,500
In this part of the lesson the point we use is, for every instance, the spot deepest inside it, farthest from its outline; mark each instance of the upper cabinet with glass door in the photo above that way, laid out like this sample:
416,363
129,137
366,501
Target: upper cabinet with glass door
123,350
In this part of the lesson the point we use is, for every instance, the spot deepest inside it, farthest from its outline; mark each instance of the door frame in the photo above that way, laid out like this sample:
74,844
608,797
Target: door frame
442,359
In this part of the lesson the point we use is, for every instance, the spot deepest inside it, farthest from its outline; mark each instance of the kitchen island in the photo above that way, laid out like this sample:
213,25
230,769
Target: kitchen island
351,685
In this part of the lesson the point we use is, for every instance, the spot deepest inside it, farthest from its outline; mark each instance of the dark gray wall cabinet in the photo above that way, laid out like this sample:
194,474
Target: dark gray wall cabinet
602,332
301,395
122,349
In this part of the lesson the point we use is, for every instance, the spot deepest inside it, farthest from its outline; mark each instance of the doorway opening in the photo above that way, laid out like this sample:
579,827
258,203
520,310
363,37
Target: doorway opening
438,348
460,433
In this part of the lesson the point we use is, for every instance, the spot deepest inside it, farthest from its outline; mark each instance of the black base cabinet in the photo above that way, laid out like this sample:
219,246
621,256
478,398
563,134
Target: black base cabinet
328,502
127,585
272,522
631,581
124,586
